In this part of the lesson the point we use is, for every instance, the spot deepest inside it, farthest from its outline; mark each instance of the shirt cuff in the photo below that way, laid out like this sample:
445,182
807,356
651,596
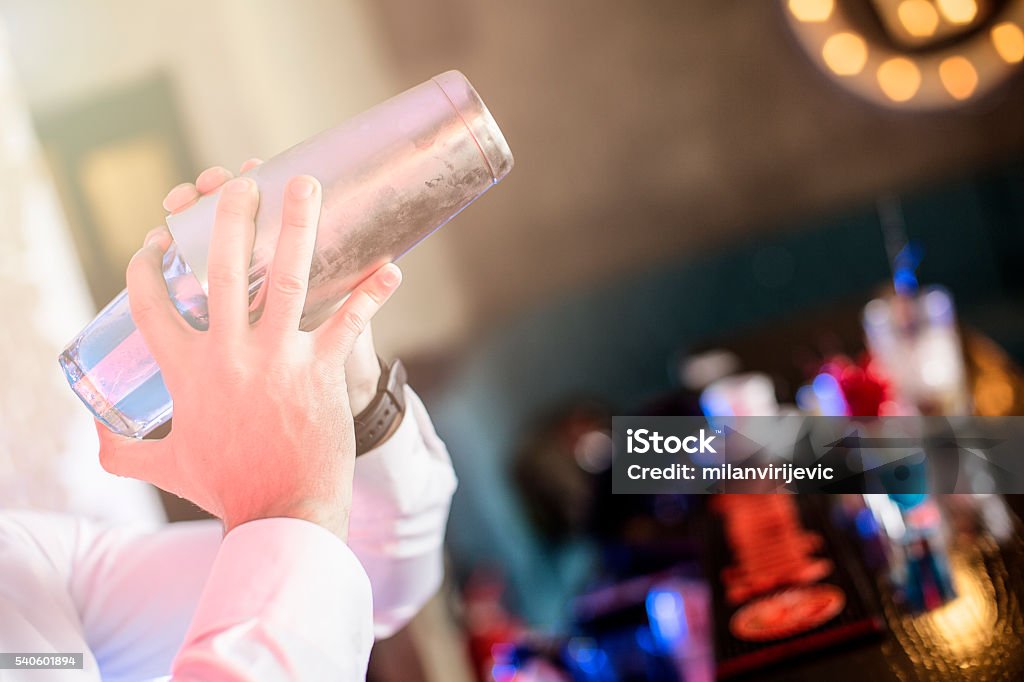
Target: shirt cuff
290,588
406,473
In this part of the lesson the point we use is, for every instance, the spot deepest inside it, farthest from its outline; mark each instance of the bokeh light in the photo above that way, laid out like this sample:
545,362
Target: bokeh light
899,78
958,76
1009,41
958,11
918,17
993,395
966,625
811,10
845,53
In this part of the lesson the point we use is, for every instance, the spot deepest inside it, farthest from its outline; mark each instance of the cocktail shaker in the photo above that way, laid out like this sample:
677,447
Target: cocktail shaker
390,176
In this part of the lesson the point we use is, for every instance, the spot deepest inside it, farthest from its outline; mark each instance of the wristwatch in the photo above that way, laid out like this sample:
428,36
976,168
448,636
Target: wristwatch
377,421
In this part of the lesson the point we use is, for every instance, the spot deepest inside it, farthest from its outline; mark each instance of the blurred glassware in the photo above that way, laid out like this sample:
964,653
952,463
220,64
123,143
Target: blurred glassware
740,395
699,370
914,338
916,548
653,627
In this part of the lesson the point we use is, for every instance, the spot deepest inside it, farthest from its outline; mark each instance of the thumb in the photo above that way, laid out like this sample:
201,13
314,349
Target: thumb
147,460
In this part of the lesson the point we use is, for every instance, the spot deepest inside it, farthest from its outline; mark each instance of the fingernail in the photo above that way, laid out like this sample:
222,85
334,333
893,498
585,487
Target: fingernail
171,205
238,186
391,275
216,170
155,237
301,188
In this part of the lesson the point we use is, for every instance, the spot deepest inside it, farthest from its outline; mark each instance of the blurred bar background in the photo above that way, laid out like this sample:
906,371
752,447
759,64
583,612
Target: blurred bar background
690,176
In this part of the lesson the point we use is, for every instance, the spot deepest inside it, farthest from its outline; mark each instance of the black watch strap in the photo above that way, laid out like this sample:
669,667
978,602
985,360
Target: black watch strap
375,422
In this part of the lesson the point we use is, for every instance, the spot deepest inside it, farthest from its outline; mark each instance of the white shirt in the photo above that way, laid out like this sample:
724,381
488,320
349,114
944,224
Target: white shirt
275,599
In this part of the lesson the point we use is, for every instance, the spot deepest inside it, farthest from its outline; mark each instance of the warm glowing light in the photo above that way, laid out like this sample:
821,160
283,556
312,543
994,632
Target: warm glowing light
1009,41
958,11
918,17
899,79
967,624
845,53
958,76
993,395
811,10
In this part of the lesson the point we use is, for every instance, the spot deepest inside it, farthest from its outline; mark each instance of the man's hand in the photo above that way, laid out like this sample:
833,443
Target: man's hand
262,419
362,371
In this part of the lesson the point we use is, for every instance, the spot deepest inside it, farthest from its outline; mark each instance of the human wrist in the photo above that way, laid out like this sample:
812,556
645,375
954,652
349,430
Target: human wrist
332,517
361,394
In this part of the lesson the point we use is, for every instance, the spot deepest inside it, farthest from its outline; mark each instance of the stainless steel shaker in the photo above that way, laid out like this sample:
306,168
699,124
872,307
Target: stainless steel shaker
390,176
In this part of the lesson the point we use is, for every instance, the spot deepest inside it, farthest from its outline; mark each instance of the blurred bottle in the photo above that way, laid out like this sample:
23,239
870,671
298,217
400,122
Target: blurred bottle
390,177
916,549
740,395
914,337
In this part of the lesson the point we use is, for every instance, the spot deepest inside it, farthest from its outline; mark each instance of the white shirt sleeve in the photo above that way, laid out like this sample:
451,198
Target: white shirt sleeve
402,494
272,590
285,600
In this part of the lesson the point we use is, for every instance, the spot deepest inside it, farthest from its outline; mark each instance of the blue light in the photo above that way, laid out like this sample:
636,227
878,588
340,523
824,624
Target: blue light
867,525
587,657
715,406
503,672
831,402
905,264
805,399
666,612
905,282
645,640
504,668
